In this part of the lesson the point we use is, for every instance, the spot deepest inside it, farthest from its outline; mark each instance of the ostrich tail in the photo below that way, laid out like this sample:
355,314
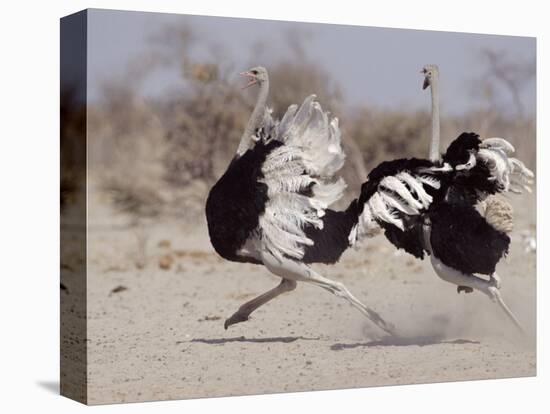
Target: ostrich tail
498,213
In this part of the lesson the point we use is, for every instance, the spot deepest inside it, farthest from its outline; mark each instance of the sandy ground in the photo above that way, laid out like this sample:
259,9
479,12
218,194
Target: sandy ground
158,296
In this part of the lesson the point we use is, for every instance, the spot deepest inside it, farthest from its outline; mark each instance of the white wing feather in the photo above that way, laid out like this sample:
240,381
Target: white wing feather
404,194
398,196
306,163
510,173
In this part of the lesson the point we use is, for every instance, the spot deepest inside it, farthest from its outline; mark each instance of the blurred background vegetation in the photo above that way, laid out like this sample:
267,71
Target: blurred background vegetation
157,156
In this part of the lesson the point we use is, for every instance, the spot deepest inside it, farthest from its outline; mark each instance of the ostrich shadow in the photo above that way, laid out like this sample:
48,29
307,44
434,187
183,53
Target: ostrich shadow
278,339
403,341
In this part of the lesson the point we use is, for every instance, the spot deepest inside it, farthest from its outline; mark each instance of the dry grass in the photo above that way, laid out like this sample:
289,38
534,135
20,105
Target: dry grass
160,157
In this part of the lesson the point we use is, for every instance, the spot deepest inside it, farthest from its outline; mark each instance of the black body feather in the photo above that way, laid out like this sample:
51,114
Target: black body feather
236,202
459,150
467,186
238,199
388,168
410,240
461,238
330,242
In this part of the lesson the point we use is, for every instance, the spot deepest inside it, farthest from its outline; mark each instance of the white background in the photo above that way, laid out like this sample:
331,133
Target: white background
29,172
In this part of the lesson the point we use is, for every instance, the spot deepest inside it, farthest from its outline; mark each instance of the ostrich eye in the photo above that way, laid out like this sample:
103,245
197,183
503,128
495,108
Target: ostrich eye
254,72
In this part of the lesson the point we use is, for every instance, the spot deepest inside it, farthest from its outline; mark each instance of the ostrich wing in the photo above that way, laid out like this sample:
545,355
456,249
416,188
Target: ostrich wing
300,176
395,196
485,167
511,174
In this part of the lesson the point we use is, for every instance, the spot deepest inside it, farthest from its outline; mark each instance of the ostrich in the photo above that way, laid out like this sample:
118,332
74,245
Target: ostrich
497,213
443,218
270,207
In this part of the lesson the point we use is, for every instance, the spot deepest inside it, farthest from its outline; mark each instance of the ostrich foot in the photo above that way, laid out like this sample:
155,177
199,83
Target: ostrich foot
245,310
488,287
300,272
465,289
237,317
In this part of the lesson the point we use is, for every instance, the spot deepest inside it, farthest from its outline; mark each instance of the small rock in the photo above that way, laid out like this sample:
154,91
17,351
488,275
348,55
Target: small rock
165,244
119,289
166,261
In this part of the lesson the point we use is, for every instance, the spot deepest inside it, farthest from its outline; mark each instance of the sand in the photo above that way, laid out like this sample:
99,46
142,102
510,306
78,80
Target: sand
158,296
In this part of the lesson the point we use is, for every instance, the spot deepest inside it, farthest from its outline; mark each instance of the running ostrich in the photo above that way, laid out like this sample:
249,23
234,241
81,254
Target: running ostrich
270,207
451,216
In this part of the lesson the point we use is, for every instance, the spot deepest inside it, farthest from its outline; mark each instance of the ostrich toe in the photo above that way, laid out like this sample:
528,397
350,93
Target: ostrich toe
235,318
465,289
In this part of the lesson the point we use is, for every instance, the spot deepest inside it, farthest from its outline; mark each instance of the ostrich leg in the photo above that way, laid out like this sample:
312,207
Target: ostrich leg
246,309
490,288
300,272
469,281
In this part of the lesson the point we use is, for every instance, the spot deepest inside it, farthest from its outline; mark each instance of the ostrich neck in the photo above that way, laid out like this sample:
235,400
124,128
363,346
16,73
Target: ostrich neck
255,119
434,147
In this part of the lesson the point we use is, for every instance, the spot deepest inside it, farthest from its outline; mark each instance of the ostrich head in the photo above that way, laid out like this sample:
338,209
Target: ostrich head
256,75
430,73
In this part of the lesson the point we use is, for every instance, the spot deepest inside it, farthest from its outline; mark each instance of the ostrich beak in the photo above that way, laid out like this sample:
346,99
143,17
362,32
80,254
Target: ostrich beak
251,79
